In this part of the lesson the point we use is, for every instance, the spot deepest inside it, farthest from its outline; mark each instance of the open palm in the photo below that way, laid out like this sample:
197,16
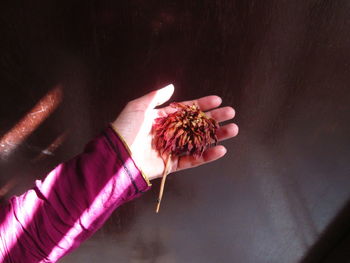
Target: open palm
135,122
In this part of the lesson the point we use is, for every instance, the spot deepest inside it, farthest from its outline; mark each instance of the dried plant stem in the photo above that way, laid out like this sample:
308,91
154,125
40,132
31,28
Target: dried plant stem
162,184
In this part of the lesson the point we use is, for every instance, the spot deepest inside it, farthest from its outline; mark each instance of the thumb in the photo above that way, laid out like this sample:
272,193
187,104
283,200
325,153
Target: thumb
157,97
163,95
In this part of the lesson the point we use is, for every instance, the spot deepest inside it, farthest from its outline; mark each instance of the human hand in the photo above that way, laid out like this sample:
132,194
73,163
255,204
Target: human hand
135,122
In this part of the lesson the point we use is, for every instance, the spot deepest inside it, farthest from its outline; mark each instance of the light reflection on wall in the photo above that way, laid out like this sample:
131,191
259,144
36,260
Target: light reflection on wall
49,151
30,122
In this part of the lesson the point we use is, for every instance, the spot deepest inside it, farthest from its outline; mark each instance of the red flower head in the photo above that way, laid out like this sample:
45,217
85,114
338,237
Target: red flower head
186,131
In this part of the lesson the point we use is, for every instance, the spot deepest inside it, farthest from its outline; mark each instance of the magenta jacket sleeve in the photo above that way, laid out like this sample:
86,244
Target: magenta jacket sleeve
70,204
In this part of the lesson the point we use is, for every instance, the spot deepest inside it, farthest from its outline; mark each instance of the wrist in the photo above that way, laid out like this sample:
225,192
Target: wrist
137,164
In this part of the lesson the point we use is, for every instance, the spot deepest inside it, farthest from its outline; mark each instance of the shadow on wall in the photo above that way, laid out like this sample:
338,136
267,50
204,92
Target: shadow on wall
334,243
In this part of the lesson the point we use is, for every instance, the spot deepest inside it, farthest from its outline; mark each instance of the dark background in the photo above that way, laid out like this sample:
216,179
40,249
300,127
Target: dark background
280,194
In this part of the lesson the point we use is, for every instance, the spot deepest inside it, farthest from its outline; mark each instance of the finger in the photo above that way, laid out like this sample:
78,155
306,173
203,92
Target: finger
208,156
227,131
221,114
163,95
205,103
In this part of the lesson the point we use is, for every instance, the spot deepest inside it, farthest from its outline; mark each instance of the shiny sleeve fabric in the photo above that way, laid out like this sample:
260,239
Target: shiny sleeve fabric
70,204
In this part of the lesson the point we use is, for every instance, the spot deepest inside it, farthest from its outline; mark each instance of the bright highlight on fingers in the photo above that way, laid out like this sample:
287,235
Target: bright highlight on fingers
163,95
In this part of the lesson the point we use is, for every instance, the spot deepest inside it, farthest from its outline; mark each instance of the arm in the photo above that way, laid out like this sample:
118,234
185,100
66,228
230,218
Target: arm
77,197
72,203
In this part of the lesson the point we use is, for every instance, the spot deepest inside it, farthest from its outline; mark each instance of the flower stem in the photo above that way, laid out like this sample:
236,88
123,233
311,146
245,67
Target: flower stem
165,174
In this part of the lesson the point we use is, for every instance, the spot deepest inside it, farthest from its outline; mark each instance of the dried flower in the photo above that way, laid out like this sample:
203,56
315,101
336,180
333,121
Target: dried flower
186,131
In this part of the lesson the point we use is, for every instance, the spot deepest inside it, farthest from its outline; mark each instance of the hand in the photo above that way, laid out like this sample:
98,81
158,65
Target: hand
135,122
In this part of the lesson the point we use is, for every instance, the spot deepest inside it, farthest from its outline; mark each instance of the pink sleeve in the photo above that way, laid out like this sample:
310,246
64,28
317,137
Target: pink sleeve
71,204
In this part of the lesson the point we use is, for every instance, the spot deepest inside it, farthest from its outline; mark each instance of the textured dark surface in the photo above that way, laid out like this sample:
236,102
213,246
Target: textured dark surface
280,194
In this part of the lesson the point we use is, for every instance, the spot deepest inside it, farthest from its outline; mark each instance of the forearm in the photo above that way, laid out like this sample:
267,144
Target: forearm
73,201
